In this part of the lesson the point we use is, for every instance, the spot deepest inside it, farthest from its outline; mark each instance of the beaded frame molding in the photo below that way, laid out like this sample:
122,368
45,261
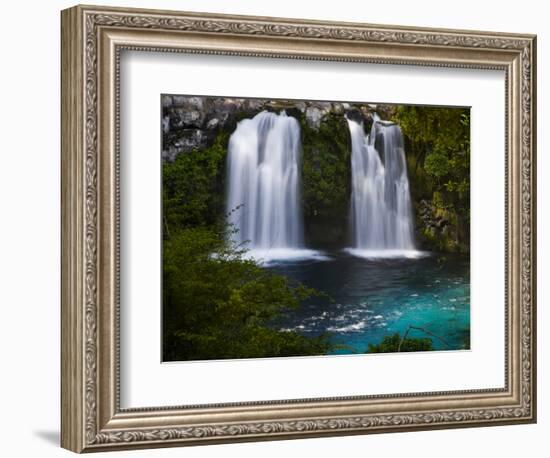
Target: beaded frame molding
92,40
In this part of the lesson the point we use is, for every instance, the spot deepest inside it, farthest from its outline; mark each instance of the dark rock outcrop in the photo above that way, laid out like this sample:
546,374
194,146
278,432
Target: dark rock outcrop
192,122
440,229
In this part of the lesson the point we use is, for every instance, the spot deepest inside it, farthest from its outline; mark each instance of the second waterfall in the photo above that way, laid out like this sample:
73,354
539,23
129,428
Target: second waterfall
380,202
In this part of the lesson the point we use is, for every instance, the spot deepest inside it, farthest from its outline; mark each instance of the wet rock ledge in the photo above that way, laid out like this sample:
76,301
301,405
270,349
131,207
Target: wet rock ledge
192,122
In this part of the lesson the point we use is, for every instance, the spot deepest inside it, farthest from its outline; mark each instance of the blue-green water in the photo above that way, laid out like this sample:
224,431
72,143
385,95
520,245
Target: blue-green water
372,298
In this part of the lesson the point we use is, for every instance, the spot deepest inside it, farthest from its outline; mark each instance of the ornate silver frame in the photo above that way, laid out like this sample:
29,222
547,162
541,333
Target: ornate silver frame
92,38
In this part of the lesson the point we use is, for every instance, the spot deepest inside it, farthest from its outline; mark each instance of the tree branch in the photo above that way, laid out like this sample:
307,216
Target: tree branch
418,328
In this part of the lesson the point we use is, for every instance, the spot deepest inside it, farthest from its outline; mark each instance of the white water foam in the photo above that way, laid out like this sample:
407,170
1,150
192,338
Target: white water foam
387,253
281,255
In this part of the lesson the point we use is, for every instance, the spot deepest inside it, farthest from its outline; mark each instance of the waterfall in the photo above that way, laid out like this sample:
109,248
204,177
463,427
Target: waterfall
263,198
381,217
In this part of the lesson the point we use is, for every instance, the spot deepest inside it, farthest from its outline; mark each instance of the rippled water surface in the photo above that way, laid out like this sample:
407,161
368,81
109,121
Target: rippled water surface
371,298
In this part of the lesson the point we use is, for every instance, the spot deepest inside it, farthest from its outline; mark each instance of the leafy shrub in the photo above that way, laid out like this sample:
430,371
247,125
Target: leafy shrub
391,344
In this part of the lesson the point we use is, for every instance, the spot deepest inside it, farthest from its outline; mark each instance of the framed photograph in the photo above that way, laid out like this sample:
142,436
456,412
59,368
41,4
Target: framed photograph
278,228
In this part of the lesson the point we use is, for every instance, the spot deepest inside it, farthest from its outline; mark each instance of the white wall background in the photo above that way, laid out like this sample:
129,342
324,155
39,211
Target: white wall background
29,228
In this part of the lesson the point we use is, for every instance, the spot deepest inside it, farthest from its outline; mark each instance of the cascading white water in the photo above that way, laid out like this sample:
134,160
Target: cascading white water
380,203
263,199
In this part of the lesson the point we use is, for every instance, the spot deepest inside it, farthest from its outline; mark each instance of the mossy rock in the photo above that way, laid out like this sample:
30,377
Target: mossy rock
326,178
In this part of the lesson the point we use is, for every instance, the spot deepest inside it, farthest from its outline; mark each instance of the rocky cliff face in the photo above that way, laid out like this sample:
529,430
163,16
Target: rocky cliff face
439,229
192,122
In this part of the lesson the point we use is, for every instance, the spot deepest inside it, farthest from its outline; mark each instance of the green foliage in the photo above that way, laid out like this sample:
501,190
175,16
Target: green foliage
326,180
440,141
326,167
438,148
220,306
192,186
390,344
